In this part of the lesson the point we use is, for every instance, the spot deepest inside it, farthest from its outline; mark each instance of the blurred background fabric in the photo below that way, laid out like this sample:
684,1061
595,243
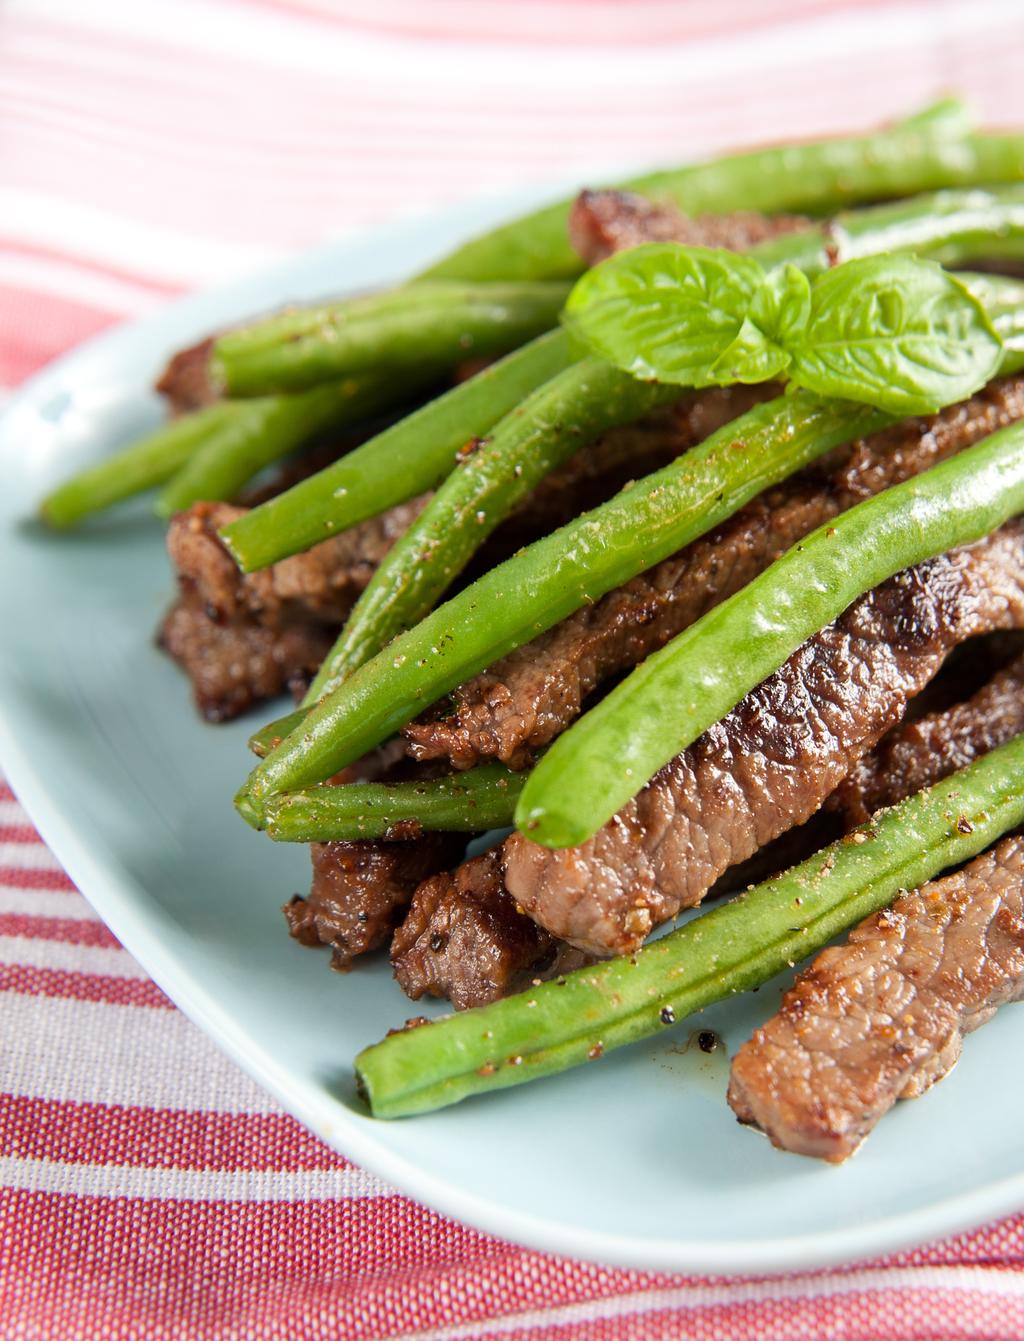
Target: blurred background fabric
148,1188
148,148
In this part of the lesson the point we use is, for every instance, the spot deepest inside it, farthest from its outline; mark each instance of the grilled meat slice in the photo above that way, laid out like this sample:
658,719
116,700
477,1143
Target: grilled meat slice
186,380
919,753
604,222
771,762
234,664
920,975
464,938
361,888
320,585
530,696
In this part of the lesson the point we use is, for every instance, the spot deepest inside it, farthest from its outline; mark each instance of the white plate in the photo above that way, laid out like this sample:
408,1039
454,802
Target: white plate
634,1160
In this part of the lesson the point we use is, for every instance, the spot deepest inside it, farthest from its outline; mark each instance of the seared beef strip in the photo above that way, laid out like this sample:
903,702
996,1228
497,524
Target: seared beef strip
360,889
464,938
234,664
772,761
530,696
604,222
320,585
186,379
919,753
882,1017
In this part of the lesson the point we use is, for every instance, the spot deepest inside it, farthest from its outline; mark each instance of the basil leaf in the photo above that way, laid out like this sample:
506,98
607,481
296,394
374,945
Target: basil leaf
752,357
665,312
779,311
897,332
781,307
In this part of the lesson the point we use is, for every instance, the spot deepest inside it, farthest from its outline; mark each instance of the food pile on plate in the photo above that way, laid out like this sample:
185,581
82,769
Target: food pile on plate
674,533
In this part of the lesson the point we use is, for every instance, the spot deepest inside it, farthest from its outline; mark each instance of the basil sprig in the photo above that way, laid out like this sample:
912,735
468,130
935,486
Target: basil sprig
894,331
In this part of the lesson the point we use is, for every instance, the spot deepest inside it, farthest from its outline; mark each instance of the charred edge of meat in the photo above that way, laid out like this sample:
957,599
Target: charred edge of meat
233,665
925,972
464,938
360,889
604,222
185,382
920,753
789,849
319,585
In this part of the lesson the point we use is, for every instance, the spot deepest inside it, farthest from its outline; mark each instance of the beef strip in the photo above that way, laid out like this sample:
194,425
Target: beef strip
360,888
604,222
530,696
771,762
923,749
186,380
464,938
919,753
235,664
882,1017
320,585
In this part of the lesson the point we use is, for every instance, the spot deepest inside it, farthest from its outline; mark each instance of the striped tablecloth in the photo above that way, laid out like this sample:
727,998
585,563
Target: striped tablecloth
154,147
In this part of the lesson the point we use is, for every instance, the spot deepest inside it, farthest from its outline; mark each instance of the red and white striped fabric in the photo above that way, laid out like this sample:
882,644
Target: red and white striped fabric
147,149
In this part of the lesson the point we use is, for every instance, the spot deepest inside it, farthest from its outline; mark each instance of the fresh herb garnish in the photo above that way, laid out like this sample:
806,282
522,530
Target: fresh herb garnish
897,332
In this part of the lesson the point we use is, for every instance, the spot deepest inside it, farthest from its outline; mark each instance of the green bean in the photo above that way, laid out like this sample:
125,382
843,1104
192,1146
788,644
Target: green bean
437,324
407,459
261,742
957,223
255,433
543,432
146,463
687,686
735,947
519,599
292,322
1004,301
816,177
946,116
481,798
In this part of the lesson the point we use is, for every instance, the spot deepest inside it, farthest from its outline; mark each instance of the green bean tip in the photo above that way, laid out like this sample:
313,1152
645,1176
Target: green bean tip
250,809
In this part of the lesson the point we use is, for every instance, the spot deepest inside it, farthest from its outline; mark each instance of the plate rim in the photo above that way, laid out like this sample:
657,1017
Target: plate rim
113,897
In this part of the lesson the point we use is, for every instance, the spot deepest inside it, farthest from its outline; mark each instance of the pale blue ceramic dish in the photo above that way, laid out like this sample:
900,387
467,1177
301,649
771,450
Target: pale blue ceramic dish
635,1160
